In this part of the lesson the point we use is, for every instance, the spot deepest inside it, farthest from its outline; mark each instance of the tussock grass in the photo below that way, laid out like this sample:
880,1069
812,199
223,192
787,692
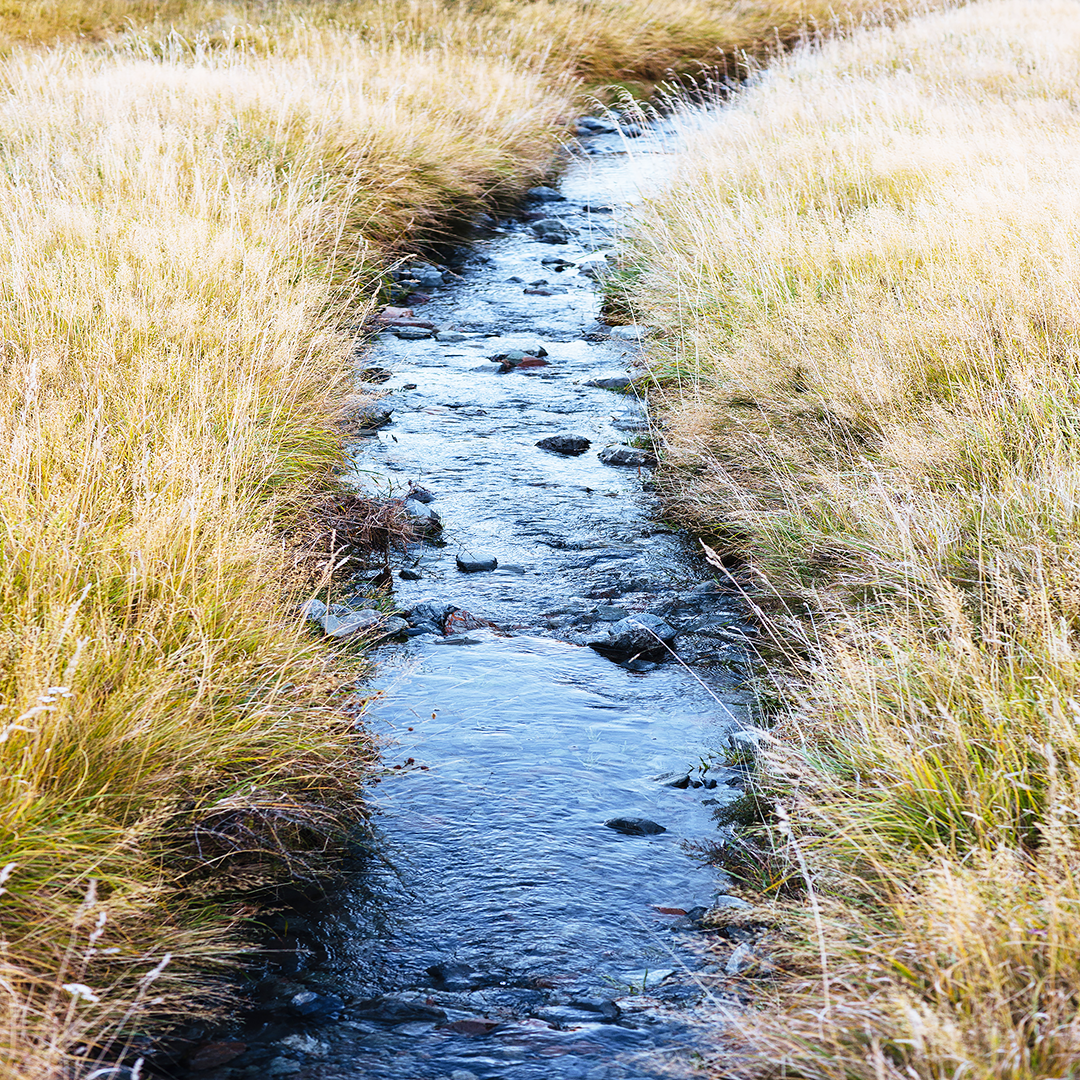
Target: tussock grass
867,276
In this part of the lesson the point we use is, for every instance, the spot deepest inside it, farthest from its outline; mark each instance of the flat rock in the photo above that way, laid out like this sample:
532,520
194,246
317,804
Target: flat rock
565,444
450,336
643,636
635,826
472,562
628,456
410,575
615,382
412,333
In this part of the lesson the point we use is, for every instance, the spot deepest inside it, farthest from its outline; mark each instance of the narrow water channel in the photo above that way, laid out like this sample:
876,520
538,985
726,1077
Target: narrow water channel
504,929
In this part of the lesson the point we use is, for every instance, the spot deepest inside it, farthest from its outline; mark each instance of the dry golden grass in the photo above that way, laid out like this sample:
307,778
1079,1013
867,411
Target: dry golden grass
871,374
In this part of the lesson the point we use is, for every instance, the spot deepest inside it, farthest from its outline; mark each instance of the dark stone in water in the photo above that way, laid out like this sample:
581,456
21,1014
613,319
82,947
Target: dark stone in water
312,1006
473,563
635,826
545,194
410,575
641,636
629,456
565,444
395,1011
421,495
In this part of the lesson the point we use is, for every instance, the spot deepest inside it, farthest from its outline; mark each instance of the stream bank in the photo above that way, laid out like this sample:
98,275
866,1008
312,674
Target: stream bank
531,901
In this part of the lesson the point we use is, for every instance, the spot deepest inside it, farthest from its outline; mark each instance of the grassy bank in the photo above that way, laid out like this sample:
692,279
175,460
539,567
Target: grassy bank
189,224
870,376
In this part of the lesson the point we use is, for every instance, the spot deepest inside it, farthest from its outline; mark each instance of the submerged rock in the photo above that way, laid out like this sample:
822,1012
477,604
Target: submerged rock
635,826
643,636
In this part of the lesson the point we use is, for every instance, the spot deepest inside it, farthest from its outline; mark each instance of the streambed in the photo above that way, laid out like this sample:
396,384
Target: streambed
502,930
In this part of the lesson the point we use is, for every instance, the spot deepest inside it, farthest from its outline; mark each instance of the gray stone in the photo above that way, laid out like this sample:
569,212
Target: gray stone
725,902
635,826
616,382
422,517
450,336
609,613
551,231
314,1006
592,125
628,456
410,575
545,194
632,332
421,495
645,977
470,562
565,444
412,333
643,636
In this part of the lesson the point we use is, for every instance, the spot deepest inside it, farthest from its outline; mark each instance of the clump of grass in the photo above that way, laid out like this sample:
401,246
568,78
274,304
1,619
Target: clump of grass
871,368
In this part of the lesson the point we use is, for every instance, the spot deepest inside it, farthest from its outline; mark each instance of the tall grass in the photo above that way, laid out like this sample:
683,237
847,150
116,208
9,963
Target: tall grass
870,375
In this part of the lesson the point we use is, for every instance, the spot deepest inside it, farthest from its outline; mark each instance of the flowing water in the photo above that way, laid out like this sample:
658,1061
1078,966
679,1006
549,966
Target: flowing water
501,929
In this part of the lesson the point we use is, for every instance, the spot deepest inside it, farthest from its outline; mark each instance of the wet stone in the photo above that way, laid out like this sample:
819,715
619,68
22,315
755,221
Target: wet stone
635,826
627,456
615,382
633,332
545,194
552,231
412,333
565,444
641,636
316,1007
410,575
389,1010
471,562
450,336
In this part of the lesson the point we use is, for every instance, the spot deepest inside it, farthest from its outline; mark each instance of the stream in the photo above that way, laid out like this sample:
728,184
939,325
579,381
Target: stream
521,915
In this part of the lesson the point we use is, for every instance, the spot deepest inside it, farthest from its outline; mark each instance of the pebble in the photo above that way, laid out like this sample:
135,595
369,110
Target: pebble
410,575
617,382
449,336
412,333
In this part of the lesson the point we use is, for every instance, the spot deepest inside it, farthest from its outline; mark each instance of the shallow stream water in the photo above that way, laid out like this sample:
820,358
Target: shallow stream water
502,930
